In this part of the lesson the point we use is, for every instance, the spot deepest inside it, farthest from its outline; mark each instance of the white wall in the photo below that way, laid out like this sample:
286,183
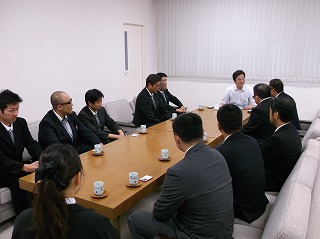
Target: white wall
193,92
69,45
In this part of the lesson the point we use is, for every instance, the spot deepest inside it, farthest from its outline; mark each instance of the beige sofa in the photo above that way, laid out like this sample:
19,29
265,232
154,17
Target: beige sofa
295,212
6,207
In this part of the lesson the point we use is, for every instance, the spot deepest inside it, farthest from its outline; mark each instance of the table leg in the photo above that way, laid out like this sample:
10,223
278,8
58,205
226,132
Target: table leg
116,223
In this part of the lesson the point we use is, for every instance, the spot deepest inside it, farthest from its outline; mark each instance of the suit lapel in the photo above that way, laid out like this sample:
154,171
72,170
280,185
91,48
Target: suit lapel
60,126
5,135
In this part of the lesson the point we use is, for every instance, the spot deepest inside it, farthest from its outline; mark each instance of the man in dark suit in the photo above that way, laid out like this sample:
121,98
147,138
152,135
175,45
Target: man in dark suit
276,86
14,137
61,125
149,109
166,97
259,126
96,118
280,151
245,162
196,196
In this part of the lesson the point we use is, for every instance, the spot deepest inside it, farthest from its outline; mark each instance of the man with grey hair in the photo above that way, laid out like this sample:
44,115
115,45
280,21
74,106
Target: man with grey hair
61,125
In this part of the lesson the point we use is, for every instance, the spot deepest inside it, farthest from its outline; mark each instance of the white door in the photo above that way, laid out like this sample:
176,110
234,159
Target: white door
134,60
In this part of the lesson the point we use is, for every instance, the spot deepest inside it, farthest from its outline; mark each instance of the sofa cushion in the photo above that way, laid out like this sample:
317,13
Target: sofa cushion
5,195
246,232
312,149
314,217
120,111
262,220
290,213
312,133
6,212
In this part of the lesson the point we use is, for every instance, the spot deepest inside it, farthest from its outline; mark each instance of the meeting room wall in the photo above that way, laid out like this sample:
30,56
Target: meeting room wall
201,43
69,45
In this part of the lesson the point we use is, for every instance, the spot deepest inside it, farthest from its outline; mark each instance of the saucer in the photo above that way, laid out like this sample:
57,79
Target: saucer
133,186
94,154
165,160
105,193
143,132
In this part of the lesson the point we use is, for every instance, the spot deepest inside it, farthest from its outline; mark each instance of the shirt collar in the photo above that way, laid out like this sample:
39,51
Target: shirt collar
278,94
265,99
189,148
8,127
93,111
59,117
281,126
149,92
236,89
71,201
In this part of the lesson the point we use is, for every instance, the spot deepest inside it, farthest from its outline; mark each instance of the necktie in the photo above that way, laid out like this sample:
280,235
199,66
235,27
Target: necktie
154,103
11,135
164,96
97,119
66,125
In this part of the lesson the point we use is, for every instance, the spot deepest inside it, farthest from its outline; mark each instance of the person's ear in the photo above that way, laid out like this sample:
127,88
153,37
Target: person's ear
177,139
77,178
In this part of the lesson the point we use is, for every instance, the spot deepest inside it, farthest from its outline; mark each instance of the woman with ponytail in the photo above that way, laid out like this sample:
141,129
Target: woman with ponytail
55,214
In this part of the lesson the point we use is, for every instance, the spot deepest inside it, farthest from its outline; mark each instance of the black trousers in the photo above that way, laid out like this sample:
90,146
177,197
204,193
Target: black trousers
19,197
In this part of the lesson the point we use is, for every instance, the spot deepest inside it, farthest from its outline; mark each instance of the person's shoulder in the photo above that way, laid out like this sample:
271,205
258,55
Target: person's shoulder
21,120
78,211
48,116
83,111
231,87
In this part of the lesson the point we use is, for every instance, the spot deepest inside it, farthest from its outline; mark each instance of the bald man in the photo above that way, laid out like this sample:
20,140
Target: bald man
61,125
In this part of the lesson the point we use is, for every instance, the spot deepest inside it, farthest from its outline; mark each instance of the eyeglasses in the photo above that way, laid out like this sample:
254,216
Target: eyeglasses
66,103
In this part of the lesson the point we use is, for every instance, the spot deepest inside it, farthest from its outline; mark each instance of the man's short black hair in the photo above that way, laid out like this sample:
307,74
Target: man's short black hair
152,79
277,85
7,97
161,74
237,73
188,127
262,90
92,96
229,117
284,107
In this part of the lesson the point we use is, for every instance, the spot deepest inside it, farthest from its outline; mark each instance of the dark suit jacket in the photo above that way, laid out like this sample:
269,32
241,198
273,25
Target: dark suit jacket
169,98
11,154
295,119
197,192
280,153
146,113
259,126
89,120
245,162
51,131
83,223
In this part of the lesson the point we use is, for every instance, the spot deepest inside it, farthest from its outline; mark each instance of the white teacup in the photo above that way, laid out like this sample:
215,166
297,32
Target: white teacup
143,128
164,154
133,178
98,188
201,107
174,115
205,135
97,149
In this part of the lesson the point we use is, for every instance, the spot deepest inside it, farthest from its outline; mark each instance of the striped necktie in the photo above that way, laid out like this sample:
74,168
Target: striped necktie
97,119
154,103
66,125
11,135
